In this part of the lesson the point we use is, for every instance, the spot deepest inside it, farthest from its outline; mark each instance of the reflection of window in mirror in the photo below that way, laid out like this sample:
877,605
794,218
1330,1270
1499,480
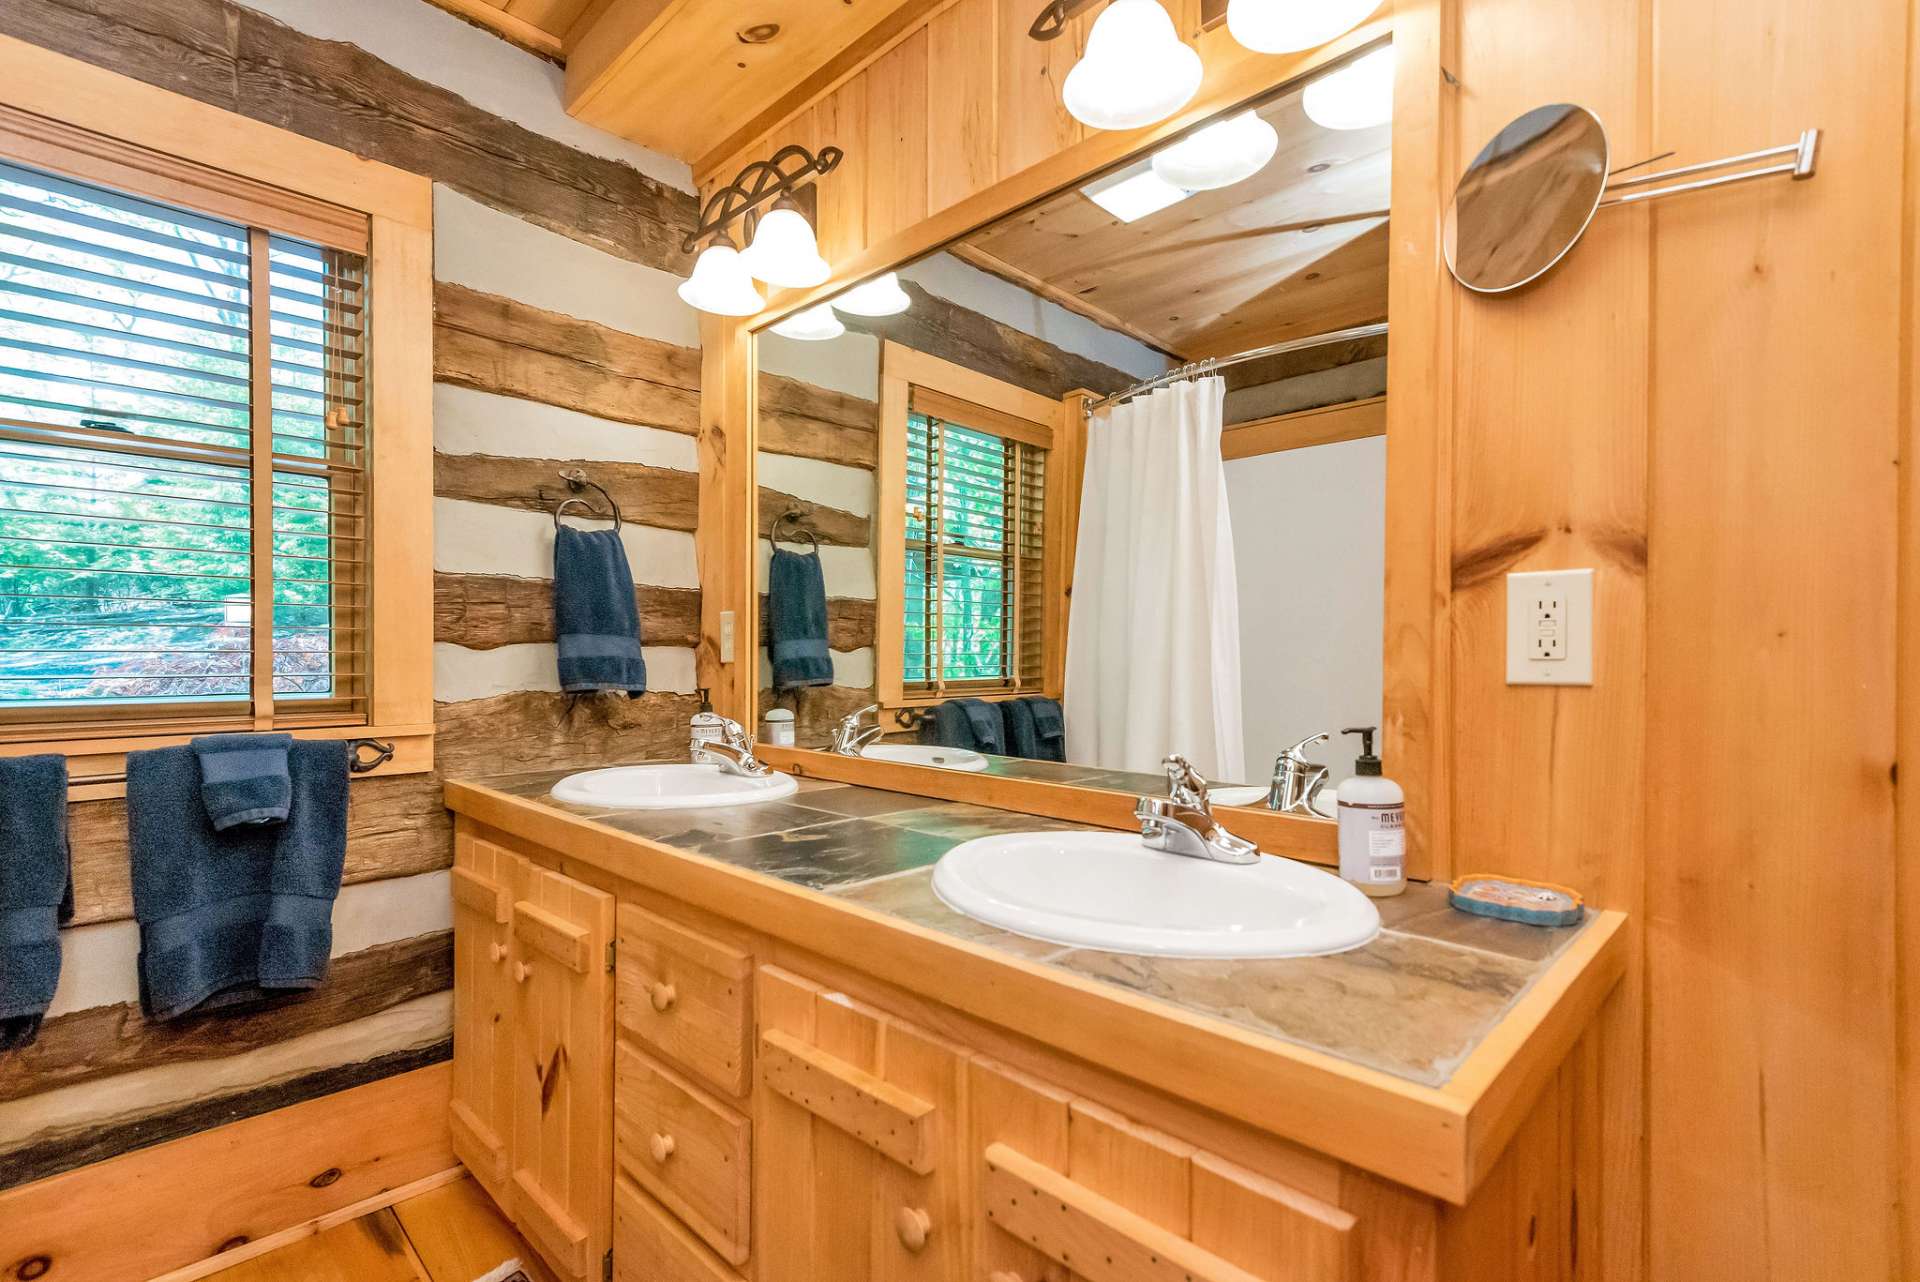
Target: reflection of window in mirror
963,534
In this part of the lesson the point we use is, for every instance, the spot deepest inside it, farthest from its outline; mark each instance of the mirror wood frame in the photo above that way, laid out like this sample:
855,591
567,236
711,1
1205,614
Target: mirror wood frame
1416,583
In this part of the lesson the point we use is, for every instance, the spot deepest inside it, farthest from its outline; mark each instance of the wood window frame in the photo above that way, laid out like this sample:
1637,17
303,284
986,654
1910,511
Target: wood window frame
1056,426
146,141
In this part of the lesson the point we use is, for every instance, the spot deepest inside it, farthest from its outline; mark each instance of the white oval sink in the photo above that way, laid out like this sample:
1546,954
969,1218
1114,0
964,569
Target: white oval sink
1108,891
671,787
920,754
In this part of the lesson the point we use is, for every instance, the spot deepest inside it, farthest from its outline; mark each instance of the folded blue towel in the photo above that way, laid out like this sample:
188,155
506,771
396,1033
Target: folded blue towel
797,620
226,917
1049,728
36,891
243,778
596,622
989,734
1016,721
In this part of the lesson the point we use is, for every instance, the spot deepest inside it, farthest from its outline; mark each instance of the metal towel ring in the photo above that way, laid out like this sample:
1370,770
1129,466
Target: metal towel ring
577,481
794,515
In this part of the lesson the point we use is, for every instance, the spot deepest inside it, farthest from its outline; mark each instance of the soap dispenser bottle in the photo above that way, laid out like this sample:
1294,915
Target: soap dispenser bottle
1373,834
707,726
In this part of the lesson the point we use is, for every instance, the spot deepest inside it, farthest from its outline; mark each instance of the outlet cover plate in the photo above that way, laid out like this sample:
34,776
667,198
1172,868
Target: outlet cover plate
1553,604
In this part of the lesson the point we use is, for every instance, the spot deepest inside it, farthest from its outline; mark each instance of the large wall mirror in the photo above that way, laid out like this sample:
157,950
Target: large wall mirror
1030,591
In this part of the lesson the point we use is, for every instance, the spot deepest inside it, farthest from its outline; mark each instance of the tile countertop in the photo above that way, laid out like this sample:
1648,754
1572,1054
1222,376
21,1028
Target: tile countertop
1413,1003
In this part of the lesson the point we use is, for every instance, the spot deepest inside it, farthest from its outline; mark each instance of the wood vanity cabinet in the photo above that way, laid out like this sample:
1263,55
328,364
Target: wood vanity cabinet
722,1106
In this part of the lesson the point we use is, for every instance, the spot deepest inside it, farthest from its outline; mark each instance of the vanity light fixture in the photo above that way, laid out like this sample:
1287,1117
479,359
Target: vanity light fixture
1356,96
782,250
721,284
1287,26
881,296
1219,155
1136,70
815,325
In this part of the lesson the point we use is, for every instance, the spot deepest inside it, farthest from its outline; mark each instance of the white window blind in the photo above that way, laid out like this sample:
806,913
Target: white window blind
975,530
183,463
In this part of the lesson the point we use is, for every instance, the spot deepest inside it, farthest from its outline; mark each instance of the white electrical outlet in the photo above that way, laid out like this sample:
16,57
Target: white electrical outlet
1550,628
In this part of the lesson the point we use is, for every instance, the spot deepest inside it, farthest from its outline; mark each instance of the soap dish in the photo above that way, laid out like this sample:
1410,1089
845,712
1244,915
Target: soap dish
1536,903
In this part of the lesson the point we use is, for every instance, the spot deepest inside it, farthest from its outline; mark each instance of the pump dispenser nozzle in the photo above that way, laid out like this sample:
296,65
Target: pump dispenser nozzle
1366,763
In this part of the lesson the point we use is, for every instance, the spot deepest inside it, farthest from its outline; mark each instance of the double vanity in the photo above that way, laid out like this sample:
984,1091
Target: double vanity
712,1026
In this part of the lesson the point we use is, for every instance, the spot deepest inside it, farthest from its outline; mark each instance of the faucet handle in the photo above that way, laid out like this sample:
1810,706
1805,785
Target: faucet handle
1185,784
1298,752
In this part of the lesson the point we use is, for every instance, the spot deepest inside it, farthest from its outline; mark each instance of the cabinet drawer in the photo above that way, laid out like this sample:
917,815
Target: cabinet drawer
686,996
649,1245
686,1148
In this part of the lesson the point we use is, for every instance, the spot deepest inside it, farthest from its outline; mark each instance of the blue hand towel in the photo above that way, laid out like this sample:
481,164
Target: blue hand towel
1016,720
797,620
947,726
989,735
243,778
1049,727
596,622
36,891
229,917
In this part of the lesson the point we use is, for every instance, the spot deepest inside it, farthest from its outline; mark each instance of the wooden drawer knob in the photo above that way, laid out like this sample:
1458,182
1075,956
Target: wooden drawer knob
913,1225
498,952
521,970
664,996
662,1146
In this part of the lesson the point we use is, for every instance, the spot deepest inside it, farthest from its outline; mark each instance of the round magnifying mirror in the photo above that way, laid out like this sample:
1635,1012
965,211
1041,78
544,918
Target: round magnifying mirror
1526,198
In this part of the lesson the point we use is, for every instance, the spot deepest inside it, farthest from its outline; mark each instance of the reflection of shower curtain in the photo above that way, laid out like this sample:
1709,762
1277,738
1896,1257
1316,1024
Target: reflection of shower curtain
1153,639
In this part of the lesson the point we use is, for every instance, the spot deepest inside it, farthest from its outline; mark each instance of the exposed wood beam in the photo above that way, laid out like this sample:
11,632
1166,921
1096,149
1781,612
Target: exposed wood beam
1323,426
514,30
986,262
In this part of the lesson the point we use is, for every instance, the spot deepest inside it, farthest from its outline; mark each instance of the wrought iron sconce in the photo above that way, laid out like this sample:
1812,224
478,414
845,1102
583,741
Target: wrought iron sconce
1053,20
762,183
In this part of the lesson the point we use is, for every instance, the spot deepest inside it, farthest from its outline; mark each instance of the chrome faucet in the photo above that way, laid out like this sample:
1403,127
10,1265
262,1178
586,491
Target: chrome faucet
849,738
1297,781
1182,822
733,752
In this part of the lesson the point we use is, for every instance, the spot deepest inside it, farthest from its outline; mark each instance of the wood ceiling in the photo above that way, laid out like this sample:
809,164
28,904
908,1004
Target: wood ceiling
1282,255
543,26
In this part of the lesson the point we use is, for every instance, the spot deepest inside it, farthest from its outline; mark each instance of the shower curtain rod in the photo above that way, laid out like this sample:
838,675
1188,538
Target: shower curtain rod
1212,363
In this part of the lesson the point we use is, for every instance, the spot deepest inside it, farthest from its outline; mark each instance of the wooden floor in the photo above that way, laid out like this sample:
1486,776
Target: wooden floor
448,1234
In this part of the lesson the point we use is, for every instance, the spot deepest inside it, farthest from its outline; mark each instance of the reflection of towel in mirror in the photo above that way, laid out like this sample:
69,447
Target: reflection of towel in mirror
226,917
797,620
596,621
1016,720
989,734
946,725
1049,728
36,891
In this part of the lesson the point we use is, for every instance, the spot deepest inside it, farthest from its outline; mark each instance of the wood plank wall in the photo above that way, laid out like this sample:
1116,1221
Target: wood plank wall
558,343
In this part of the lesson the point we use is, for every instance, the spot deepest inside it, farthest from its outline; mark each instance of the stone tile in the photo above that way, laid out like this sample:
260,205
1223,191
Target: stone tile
718,823
962,821
833,854
910,896
1407,1006
1424,911
858,802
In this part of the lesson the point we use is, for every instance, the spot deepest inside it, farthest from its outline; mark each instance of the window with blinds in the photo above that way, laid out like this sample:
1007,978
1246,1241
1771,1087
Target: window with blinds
183,461
974,607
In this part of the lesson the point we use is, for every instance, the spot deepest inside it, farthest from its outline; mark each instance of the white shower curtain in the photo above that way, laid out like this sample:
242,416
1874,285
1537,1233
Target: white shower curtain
1153,635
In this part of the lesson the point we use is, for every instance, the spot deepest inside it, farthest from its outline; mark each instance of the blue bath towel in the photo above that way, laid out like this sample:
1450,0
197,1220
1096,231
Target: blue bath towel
1016,720
596,623
1049,728
226,917
989,733
797,620
36,891
947,725
243,778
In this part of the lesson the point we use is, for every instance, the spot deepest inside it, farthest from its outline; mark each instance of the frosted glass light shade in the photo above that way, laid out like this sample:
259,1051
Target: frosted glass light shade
1357,96
1224,153
1285,26
784,253
720,284
1136,70
881,296
815,325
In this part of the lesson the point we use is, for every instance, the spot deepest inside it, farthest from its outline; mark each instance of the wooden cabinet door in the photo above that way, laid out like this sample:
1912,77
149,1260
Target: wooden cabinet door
486,879
562,1145
860,1170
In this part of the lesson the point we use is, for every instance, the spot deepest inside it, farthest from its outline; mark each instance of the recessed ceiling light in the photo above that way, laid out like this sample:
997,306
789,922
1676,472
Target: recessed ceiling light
758,34
1134,192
